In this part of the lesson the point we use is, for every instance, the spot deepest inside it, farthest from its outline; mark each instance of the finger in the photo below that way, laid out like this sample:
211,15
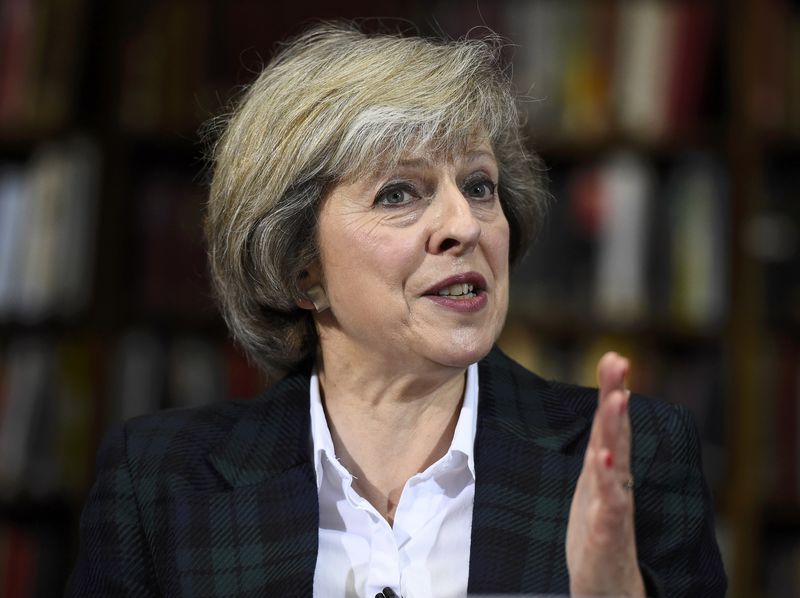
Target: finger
611,371
602,448
610,422
623,448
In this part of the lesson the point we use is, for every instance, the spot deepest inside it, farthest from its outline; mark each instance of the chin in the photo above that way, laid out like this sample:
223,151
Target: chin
462,352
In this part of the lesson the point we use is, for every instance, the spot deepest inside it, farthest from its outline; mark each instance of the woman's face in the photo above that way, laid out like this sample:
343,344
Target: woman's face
415,262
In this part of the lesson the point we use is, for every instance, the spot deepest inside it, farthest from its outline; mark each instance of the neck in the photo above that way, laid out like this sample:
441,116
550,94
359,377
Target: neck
385,426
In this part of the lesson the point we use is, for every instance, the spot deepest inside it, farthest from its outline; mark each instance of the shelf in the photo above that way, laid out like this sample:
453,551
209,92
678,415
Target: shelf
56,511
566,149
782,517
571,326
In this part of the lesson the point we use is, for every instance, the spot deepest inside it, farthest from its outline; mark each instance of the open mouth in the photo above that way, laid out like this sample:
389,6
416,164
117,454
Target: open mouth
467,285
458,291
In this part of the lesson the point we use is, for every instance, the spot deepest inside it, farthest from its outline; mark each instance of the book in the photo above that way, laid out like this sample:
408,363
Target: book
75,408
586,79
77,228
50,253
173,277
768,67
620,289
539,59
166,66
138,375
17,21
244,380
693,40
13,231
41,54
196,372
20,577
548,282
29,363
644,50
699,253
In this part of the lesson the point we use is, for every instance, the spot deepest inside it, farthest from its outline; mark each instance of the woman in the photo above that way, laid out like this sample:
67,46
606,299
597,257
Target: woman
368,198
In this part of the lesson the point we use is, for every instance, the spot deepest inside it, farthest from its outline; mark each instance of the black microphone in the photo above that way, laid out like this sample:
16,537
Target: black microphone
387,593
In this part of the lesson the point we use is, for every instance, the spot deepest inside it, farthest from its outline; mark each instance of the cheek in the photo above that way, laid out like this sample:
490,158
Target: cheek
497,242
363,260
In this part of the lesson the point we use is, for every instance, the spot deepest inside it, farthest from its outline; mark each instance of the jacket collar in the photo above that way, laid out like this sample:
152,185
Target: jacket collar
523,407
273,434
527,458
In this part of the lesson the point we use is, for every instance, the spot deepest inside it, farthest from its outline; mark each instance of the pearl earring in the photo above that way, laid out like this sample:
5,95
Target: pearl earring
318,297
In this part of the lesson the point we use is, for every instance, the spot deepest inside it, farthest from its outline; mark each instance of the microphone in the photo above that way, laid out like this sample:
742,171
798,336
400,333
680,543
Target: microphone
387,593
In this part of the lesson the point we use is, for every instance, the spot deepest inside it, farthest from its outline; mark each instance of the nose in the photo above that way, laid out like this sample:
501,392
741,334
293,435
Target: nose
455,229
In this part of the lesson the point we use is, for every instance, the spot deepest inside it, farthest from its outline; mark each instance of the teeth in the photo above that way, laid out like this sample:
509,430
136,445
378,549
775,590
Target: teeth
457,290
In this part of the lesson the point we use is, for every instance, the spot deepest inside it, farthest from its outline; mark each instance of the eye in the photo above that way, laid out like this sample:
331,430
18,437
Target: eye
396,195
479,188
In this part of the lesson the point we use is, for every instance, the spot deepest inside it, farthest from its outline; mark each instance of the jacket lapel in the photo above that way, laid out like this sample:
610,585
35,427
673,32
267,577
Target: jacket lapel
527,460
271,507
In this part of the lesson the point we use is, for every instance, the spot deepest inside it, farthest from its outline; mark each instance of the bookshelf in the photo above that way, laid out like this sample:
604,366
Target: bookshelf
703,117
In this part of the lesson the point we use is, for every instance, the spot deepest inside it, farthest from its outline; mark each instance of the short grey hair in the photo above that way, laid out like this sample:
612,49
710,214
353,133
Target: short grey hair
334,104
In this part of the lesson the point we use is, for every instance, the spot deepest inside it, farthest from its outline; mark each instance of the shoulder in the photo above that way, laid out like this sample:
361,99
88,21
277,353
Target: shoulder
659,427
177,435
174,445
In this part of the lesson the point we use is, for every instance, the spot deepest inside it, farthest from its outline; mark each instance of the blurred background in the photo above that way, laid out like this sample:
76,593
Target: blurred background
670,131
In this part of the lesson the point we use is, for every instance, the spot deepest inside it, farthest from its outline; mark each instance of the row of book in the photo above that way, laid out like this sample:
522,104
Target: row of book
47,421
642,70
779,363
41,62
167,80
782,566
772,93
169,272
589,69
58,396
626,241
33,561
629,242
773,237
48,209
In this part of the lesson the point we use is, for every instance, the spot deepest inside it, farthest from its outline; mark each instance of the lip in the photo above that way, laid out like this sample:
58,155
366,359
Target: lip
476,303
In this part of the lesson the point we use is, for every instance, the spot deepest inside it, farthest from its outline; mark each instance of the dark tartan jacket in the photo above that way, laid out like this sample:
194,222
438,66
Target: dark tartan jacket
222,500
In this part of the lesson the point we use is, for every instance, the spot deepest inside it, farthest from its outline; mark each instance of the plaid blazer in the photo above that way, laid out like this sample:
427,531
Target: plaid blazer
222,500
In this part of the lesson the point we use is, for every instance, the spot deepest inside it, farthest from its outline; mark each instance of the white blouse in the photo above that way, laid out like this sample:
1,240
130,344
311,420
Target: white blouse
426,553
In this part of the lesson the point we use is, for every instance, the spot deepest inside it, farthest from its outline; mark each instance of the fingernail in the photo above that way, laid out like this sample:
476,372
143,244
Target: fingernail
609,460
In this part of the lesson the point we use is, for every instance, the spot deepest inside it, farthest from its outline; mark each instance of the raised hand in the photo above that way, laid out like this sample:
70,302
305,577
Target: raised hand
601,545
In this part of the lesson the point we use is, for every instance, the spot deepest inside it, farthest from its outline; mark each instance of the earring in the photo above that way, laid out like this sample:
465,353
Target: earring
318,297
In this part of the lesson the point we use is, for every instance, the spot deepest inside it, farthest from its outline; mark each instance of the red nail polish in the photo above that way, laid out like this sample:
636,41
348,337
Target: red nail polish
609,460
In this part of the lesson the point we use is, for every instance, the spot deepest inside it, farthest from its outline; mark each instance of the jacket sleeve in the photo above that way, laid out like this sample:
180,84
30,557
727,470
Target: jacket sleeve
675,535
113,559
